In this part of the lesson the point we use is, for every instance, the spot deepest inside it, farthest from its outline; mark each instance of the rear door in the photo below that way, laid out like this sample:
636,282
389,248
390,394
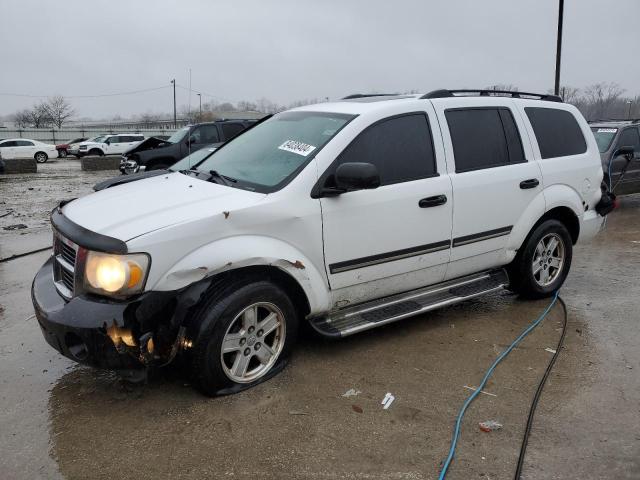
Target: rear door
24,149
390,239
494,178
630,182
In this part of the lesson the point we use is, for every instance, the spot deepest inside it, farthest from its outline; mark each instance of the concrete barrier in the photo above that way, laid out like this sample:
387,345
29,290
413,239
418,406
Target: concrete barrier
26,165
100,163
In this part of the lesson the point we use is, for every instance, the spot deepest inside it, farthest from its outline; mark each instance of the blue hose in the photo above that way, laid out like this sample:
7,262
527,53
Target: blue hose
456,431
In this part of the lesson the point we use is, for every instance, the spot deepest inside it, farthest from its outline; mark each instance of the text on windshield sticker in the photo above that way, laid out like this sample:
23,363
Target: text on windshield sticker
299,148
607,130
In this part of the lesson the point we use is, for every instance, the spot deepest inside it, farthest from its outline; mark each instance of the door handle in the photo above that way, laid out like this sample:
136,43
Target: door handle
432,201
531,183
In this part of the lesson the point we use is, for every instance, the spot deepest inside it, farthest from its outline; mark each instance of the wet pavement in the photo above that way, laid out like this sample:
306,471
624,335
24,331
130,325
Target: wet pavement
59,420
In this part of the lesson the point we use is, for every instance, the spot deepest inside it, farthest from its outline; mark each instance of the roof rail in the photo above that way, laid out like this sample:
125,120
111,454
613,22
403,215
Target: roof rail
620,120
443,93
365,95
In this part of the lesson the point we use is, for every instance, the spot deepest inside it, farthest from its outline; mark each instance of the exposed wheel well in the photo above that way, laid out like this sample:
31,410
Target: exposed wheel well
567,217
277,276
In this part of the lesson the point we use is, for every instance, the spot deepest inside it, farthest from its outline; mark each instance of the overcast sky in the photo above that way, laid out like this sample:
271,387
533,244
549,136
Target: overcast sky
286,50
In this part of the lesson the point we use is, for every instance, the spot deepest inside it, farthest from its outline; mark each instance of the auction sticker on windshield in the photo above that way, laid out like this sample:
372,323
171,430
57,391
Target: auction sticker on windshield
607,130
299,148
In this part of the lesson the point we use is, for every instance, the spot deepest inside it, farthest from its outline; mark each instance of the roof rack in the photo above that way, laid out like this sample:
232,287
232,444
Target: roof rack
491,93
365,95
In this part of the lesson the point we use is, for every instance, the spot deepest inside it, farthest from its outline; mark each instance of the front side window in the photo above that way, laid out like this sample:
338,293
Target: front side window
629,138
24,143
178,135
400,147
484,138
270,154
557,132
205,134
8,143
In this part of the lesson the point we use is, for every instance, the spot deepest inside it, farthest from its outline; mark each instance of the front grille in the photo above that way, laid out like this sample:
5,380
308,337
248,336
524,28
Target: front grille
65,253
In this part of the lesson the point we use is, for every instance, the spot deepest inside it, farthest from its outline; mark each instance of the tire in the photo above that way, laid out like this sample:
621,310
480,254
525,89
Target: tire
41,157
96,151
62,153
536,274
251,355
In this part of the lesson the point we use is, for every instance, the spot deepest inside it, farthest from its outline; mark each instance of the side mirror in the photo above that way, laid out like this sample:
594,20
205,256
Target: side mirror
626,151
357,176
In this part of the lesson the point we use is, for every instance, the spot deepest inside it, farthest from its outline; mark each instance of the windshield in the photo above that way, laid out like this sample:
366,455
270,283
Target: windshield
178,135
192,160
604,137
266,156
97,139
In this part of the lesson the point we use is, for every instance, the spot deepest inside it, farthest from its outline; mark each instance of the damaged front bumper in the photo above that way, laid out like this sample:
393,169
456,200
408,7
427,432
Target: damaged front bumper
111,334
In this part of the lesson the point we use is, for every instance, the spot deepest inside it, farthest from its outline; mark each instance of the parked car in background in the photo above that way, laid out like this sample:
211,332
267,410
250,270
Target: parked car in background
65,149
190,161
26,148
157,154
346,215
622,167
112,144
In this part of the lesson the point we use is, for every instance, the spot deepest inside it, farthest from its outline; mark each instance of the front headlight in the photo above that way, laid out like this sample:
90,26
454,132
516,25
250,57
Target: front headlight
115,275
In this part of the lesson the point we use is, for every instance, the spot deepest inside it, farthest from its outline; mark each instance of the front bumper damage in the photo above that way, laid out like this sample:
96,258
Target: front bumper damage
119,335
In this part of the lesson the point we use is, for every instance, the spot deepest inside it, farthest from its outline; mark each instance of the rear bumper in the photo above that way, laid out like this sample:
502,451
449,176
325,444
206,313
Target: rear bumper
592,223
78,328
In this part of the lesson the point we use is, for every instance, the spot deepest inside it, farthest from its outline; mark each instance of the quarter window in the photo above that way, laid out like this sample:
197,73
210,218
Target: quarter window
557,132
400,147
484,138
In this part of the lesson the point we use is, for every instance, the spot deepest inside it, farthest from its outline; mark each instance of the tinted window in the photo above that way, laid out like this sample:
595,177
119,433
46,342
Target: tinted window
138,138
10,143
557,132
401,148
23,143
114,139
629,138
484,138
230,130
205,134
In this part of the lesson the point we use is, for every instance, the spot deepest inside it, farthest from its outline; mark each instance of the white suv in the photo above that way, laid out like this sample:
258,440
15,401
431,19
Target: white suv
115,144
347,215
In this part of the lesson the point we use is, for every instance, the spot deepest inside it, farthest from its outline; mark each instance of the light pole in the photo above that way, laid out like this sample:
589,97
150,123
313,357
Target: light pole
629,102
200,98
559,46
175,120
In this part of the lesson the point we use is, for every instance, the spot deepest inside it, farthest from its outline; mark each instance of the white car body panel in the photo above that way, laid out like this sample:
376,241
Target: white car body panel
111,148
24,152
193,229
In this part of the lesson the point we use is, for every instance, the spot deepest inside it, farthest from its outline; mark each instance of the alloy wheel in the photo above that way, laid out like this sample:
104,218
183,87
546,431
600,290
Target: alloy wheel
548,259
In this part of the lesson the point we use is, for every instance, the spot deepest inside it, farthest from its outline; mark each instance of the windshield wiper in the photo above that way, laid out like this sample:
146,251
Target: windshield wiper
221,179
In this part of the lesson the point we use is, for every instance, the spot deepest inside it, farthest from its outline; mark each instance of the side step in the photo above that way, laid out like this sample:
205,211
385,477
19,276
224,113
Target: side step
365,316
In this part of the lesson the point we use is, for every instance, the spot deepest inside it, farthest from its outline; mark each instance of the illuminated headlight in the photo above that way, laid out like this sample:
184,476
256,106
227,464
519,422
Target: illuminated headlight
115,275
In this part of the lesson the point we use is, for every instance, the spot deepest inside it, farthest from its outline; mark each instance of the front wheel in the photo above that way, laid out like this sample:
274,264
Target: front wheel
542,263
245,337
41,157
62,153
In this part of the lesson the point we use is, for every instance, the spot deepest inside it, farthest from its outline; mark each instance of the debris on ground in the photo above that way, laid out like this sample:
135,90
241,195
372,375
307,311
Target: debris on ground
356,408
490,426
387,400
297,412
550,350
481,391
352,392
17,226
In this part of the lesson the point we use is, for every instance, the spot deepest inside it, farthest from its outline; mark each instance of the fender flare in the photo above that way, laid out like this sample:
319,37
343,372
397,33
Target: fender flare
236,252
549,198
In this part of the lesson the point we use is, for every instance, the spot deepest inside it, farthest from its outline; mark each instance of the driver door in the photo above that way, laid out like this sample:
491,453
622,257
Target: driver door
396,237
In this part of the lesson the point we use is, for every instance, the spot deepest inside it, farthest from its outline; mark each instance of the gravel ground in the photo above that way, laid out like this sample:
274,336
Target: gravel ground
60,420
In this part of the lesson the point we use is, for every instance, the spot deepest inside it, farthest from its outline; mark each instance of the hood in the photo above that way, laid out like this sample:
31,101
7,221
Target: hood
133,209
148,144
122,179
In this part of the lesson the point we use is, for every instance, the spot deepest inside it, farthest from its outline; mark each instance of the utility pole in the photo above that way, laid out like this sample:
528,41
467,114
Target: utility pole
175,119
629,102
559,46
200,97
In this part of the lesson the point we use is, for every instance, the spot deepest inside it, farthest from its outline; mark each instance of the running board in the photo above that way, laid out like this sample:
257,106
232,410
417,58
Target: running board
365,316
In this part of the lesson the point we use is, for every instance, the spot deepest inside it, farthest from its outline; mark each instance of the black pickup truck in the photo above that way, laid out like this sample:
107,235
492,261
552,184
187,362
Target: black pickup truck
158,154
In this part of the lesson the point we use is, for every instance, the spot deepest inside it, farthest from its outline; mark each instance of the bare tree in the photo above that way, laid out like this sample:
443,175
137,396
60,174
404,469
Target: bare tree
601,97
39,116
22,118
58,110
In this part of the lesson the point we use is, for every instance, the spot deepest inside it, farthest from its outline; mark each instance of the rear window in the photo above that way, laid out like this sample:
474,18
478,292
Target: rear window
483,138
557,132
